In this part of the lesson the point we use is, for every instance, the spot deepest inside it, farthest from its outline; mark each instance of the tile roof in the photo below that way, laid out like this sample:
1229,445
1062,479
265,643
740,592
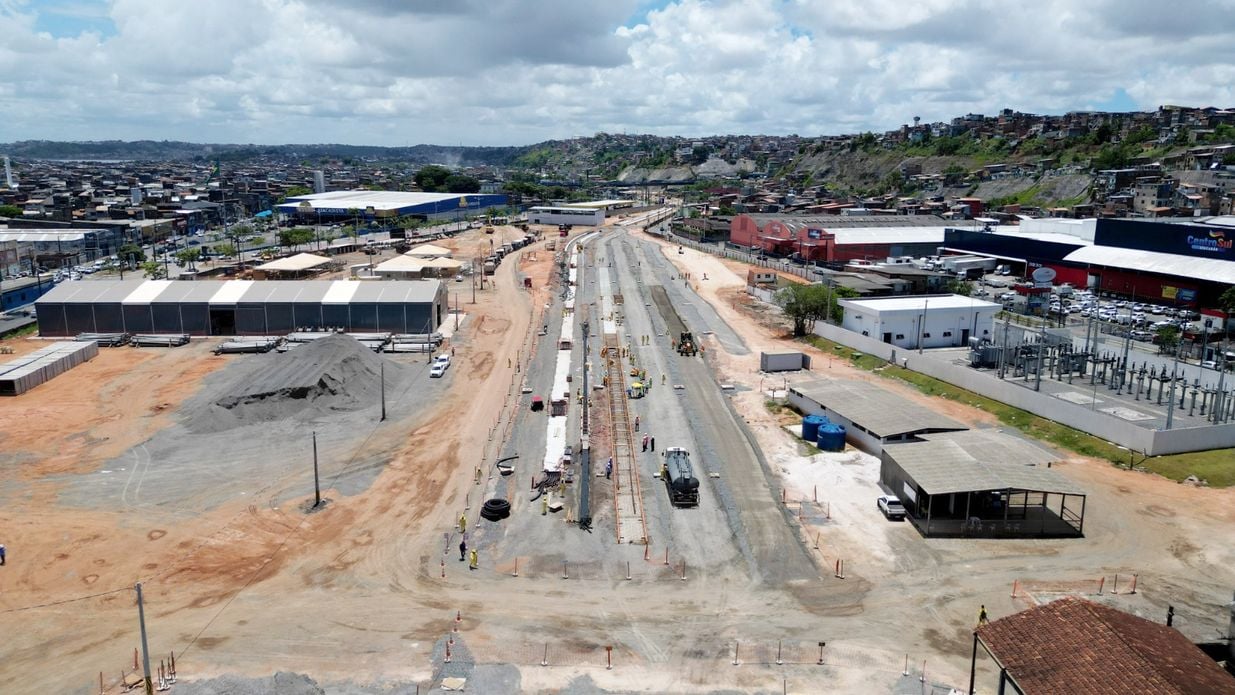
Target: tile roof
1077,646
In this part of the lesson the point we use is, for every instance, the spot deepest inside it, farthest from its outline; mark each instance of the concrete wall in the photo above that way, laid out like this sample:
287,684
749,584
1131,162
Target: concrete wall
1108,427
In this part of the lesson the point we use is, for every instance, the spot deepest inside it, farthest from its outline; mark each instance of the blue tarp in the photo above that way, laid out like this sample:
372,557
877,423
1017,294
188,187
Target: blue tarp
264,213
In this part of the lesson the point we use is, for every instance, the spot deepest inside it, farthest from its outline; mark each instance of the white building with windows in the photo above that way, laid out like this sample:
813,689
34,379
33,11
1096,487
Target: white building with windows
588,217
931,321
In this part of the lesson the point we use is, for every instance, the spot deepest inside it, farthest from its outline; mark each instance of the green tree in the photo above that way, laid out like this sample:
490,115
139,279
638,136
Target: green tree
432,178
892,182
188,258
1168,338
10,211
958,286
1145,133
1226,301
225,250
294,191
131,253
154,270
295,237
804,304
458,183
1102,134
1110,157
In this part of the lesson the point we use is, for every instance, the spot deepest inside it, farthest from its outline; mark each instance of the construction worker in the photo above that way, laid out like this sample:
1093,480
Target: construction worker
645,442
662,379
475,560
462,550
1,555
463,523
544,506
609,469
982,619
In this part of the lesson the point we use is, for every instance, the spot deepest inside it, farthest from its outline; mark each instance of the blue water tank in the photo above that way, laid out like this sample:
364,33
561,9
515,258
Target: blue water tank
810,426
831,437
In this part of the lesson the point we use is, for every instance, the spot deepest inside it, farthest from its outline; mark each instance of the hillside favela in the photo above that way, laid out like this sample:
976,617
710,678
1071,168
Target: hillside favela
337,339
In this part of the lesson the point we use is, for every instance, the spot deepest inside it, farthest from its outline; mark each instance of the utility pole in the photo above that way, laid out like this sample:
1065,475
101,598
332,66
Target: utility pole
317,488
1220,397
141,619
1170,407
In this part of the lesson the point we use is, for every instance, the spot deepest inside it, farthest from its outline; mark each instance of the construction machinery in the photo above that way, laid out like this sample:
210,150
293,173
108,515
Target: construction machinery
686,345
680,478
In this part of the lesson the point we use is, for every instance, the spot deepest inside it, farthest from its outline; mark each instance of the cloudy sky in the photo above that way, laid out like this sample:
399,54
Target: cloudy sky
402,72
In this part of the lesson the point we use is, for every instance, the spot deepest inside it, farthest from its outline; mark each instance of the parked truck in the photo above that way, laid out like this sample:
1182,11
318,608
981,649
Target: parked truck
490,267
679,477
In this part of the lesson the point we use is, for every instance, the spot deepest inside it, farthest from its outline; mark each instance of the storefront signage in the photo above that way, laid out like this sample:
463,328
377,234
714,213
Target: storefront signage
1215,241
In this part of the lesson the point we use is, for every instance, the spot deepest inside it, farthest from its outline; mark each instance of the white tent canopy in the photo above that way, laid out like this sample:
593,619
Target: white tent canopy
429,251
400,265
299,262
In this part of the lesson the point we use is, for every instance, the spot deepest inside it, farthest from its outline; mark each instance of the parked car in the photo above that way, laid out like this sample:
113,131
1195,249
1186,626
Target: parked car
891,507
438,370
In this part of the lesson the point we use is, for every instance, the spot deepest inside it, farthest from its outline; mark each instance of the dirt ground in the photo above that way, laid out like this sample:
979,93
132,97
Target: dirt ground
353,594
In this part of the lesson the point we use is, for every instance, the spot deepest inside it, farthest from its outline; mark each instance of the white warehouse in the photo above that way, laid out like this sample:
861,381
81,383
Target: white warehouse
934,321
566,215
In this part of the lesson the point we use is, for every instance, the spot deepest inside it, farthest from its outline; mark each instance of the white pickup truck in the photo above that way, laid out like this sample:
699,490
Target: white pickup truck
891,507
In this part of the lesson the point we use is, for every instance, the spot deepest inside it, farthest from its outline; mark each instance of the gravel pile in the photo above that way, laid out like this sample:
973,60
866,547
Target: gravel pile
333,374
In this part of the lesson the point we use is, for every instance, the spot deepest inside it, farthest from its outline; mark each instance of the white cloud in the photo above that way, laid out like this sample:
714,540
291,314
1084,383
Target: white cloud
508,72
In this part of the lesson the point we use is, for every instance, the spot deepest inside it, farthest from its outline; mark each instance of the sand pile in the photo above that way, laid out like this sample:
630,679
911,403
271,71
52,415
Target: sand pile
333,374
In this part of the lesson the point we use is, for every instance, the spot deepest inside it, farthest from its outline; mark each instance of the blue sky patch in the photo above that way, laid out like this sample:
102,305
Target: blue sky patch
70,18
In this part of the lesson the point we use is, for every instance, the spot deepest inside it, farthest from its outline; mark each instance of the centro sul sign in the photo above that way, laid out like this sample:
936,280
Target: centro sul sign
1214,242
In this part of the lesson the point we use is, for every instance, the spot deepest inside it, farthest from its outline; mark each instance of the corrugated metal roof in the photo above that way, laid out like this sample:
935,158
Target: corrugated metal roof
378,200
943,465
1211,269
881,412
994,445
